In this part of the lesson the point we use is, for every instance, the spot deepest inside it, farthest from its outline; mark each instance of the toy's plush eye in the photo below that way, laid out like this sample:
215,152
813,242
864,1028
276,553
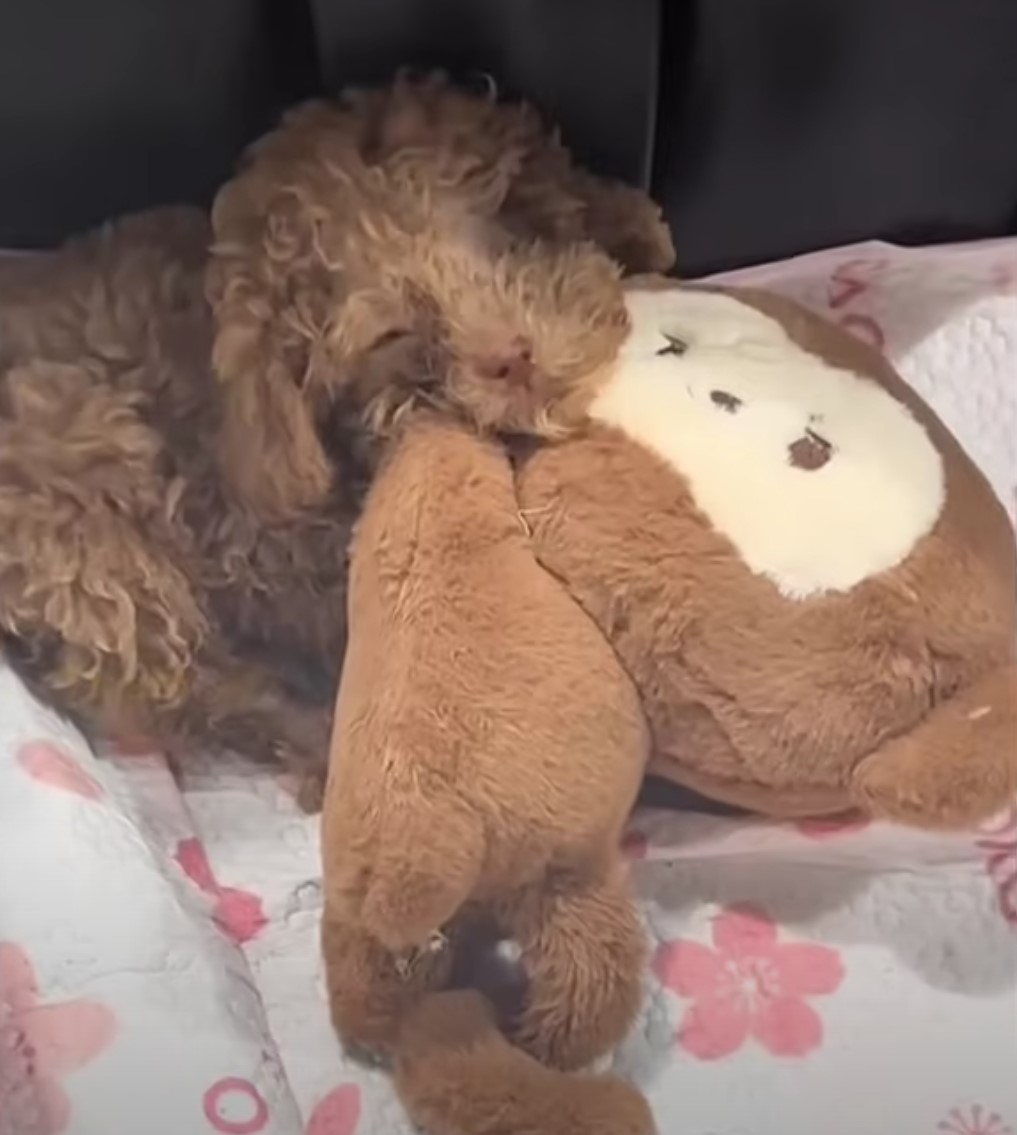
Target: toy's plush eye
675,346
725,401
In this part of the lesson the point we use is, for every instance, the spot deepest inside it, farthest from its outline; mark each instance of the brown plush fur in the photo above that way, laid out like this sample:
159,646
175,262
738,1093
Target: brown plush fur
463,1078
487,751
482,652
897,696
174,547
489,742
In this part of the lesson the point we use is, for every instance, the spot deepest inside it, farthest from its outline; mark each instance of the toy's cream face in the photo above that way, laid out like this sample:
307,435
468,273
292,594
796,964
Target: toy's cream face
815,474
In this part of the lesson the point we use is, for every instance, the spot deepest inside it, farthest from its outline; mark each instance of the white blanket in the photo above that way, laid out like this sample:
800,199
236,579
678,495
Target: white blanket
159,970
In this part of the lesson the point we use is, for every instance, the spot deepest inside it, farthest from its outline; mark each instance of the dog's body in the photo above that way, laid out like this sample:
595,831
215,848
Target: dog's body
135,590
188,414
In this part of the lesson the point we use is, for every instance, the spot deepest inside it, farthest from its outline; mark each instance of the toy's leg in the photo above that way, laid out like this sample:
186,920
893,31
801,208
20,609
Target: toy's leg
457,1075
584,955
370,990
957,768
420,866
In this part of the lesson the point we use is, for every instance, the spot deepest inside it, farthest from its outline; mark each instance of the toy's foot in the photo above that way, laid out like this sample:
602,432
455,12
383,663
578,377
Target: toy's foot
410,880
584,955
957,768
457,1075
370,990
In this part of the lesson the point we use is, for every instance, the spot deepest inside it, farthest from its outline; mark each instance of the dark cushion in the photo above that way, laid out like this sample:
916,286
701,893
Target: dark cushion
788,125
766,127
112,105
591,65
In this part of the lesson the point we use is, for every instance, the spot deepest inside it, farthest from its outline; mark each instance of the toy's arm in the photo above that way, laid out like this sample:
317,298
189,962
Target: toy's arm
483,724
400,855
957,767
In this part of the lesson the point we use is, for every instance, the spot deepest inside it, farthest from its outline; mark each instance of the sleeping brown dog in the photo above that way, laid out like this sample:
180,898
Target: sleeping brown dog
187,414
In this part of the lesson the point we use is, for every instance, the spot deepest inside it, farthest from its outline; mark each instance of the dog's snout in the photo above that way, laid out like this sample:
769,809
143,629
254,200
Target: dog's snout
514,367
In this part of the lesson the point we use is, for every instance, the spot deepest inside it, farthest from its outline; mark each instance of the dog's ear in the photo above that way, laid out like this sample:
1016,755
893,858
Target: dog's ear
268,295
269,449
625,221
296,233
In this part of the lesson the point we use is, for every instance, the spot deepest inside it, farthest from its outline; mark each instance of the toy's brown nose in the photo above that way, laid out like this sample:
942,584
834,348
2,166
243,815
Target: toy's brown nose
809,452
514,366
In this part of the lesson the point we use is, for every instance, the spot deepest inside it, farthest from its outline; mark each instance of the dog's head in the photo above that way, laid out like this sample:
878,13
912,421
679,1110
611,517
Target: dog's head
512,339
332,344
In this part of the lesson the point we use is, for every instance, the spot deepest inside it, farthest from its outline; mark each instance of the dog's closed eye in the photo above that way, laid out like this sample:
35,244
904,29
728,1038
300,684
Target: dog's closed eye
388,338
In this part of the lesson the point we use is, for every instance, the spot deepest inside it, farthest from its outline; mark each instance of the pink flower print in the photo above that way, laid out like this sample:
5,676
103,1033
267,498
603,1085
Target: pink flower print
234,1106
338,1113
852,278
1002,870
39,1045
830,827
748,985
239,914
975,1120
48,764
998,839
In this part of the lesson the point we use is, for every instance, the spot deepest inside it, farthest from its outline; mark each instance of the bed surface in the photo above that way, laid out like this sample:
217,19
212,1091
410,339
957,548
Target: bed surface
159,968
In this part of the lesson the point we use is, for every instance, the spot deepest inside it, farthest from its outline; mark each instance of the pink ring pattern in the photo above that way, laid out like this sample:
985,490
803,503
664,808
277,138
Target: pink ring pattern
222,1088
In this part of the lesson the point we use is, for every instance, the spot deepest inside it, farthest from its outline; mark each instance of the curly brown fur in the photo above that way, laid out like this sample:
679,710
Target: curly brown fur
133,590
174,551
412,244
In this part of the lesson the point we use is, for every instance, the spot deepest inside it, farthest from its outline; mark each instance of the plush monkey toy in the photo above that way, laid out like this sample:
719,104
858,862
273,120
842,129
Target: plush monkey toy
758,566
